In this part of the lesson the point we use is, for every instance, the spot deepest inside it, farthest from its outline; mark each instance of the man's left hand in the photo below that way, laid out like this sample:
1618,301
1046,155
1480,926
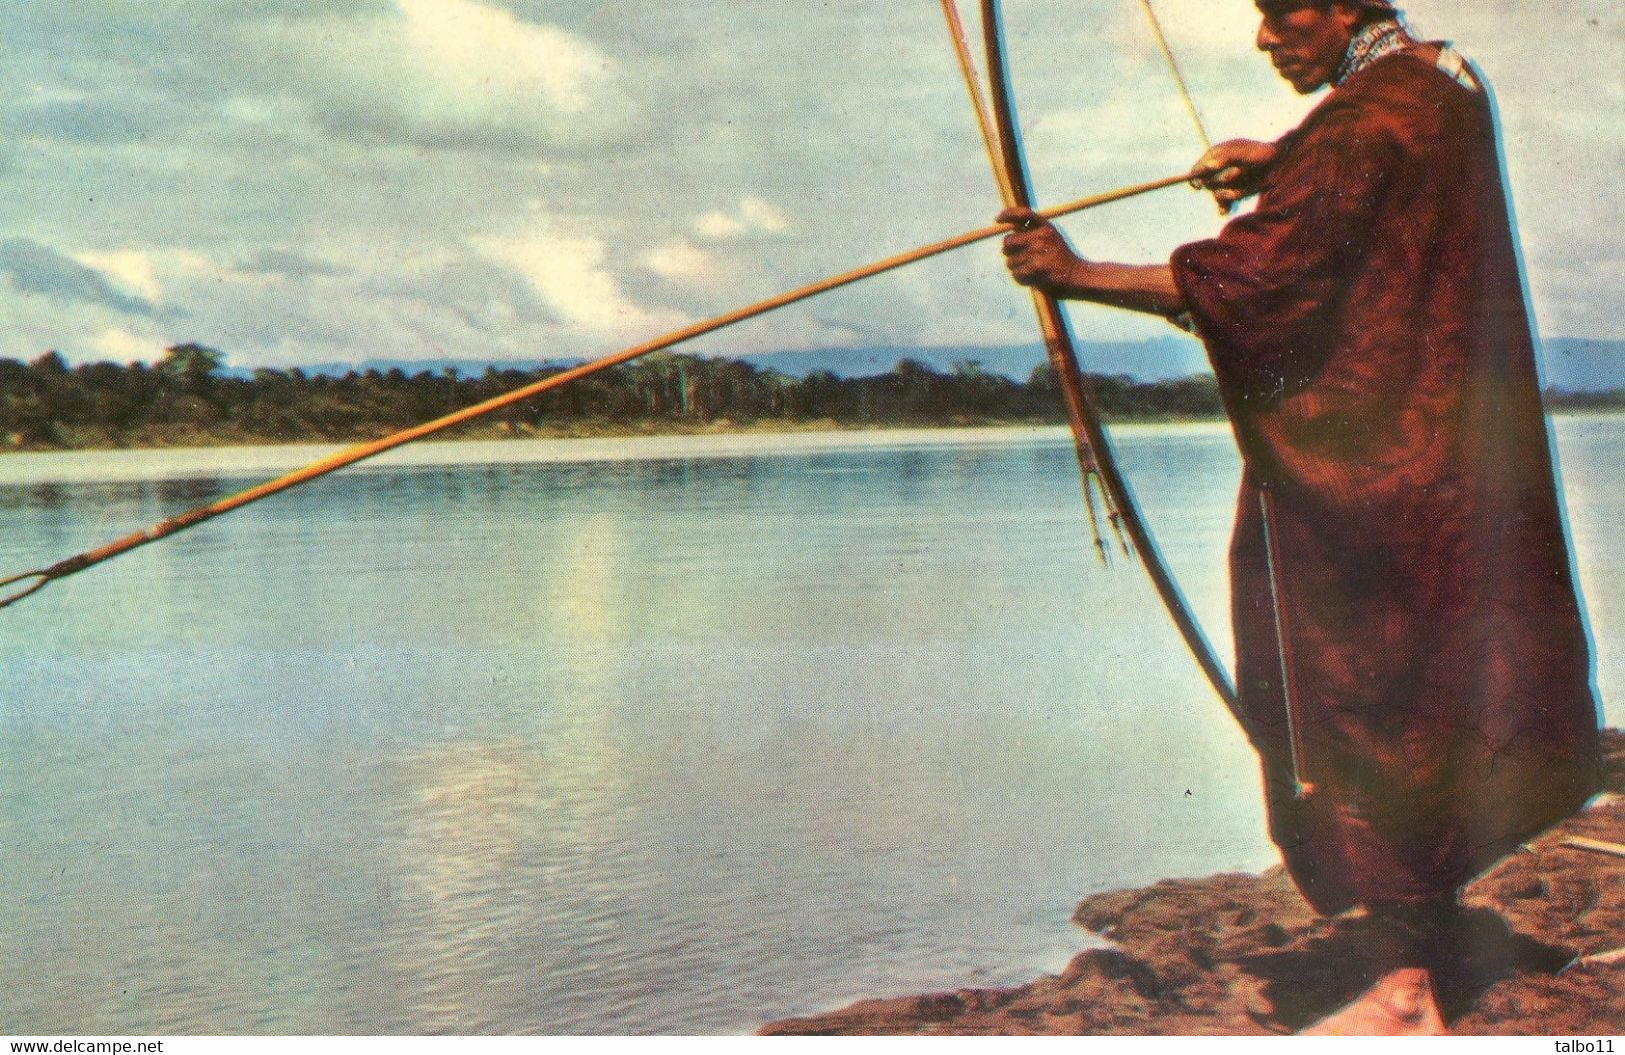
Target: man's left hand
1036,253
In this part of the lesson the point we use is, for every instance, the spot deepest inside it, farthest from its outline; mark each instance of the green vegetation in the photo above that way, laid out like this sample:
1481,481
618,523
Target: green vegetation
186,400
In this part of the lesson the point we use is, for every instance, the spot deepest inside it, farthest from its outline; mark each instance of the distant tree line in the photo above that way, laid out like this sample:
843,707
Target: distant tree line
186,398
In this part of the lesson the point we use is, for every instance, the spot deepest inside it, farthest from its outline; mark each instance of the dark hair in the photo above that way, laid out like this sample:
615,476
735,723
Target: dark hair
1370,10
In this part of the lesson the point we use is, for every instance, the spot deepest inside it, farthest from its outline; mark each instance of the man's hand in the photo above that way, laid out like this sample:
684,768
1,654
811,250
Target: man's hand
1233,170
1036,253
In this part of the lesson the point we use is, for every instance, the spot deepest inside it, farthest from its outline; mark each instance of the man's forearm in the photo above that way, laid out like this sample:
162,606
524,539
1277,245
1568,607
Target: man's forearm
1138,287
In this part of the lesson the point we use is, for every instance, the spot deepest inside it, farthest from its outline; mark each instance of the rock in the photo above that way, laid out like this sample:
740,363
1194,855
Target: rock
1239,954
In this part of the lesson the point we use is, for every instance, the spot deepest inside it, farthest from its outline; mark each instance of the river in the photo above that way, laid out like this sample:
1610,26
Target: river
624,736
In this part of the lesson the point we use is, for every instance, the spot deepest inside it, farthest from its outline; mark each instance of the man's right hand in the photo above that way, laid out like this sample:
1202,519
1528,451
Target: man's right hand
1233,170
1037,254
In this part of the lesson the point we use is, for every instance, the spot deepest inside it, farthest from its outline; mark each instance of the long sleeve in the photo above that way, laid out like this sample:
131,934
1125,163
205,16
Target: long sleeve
1265,295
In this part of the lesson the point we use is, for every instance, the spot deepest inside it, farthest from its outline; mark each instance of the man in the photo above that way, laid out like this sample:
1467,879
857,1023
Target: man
1411,660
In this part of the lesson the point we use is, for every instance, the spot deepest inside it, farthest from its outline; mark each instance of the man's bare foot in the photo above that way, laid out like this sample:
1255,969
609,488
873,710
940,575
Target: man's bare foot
1401,1004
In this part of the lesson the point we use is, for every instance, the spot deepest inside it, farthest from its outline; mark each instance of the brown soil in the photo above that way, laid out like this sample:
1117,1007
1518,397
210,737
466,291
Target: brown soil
1242,954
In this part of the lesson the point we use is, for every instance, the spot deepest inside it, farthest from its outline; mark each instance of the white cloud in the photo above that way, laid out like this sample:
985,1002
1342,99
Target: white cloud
762,216
750,216
444,73
130,268
569,274
719,225
678,261
122,346
482,56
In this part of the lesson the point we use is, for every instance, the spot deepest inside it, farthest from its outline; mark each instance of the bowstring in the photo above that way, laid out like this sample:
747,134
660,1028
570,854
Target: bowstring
1179,74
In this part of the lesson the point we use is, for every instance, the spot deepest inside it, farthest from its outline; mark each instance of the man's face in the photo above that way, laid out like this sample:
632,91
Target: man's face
1307,44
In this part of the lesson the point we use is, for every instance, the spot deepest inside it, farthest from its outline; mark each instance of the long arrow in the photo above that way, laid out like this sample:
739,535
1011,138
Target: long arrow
33,581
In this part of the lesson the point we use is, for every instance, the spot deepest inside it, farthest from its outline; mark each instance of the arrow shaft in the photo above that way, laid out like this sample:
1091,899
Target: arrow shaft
36,580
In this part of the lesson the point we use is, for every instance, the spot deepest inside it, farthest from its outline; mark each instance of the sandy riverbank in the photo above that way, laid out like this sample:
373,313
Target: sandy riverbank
1242,954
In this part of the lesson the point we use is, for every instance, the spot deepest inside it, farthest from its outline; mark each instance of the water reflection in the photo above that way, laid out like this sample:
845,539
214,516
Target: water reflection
465,831
174,495
504,845
576,746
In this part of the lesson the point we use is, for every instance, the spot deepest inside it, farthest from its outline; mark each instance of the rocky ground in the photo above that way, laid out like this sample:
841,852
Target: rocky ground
1243,954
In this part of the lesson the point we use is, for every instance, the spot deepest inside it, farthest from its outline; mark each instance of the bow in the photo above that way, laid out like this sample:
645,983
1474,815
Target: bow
1096,457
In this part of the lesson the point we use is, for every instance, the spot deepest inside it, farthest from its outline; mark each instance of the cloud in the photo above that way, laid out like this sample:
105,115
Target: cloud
478,52
131,268
447,74
121,346
569,274
35,268
313,181
287,263
487,296
111,119
678,261
438,74
751,216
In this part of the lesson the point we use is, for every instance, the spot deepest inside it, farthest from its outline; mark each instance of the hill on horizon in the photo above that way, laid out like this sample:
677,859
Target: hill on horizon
1163,359
1568,364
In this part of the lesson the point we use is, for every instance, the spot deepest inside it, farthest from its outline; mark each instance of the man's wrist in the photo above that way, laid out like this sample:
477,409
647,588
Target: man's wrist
1082,280
1137,287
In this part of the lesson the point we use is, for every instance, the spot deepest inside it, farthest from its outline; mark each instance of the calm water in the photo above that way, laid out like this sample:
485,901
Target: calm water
648,736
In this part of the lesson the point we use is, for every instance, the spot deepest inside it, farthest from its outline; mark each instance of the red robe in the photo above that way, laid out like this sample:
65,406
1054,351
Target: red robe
1368,328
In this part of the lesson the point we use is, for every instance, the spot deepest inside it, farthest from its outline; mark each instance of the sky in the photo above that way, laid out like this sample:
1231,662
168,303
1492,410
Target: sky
298,182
